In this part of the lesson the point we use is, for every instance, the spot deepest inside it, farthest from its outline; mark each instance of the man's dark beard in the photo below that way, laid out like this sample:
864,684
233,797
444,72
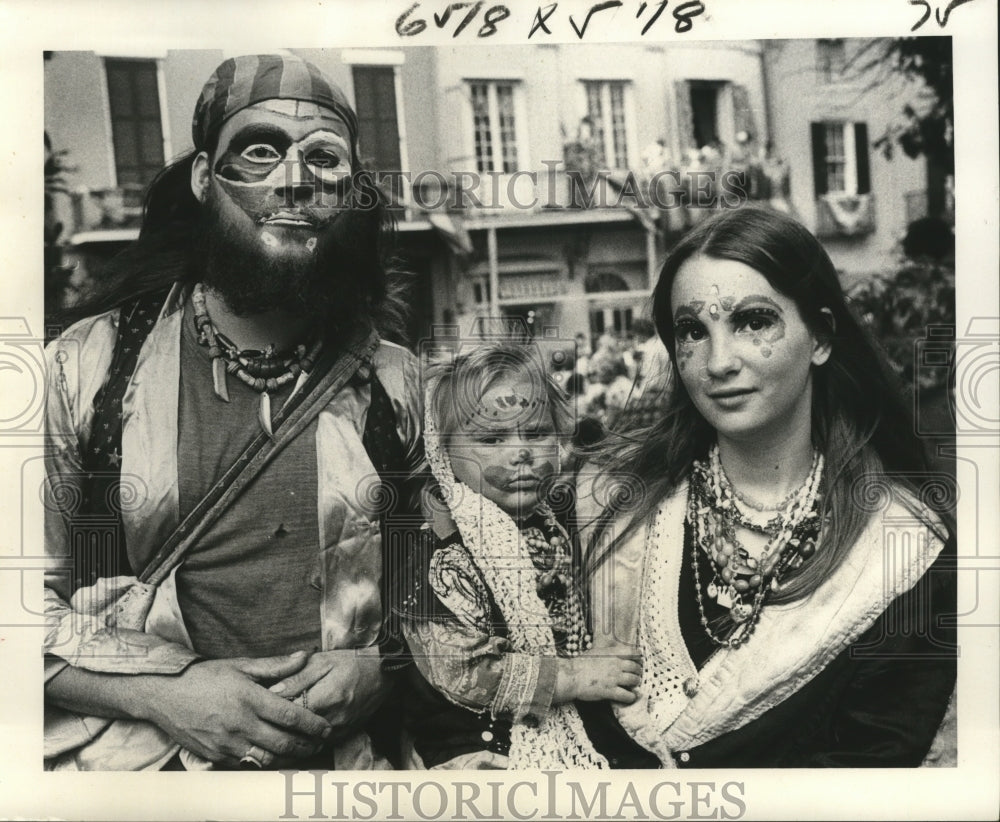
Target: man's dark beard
323,286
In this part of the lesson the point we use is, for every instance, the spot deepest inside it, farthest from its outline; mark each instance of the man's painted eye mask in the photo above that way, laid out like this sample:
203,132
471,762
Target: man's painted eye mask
264,154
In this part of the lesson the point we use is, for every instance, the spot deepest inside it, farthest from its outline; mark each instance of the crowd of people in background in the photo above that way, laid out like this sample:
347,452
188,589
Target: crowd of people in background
614,379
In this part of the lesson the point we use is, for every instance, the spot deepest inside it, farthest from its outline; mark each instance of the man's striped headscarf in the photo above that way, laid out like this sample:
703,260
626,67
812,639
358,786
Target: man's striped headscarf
242,81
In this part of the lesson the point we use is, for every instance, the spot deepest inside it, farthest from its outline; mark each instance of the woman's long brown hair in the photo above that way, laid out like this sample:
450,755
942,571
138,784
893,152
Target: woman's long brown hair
860,422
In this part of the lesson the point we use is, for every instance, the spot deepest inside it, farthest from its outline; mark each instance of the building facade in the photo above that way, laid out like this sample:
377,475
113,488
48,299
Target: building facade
537,182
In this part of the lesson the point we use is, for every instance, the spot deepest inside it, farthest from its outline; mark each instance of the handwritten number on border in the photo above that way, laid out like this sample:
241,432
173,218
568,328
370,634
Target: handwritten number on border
409,26
683,14
493,16
414,27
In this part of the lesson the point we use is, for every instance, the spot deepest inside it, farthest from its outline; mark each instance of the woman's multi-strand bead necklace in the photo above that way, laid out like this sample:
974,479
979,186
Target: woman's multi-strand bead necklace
741,582
263,371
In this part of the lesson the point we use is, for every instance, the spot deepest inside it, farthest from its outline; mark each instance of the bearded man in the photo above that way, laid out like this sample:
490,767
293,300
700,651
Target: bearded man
221,429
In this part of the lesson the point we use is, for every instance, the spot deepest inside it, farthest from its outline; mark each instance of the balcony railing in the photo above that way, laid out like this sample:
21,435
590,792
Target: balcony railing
489,193
119,208
101,209
845,215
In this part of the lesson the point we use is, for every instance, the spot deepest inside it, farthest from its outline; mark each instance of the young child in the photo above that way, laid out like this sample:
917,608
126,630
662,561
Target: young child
493,613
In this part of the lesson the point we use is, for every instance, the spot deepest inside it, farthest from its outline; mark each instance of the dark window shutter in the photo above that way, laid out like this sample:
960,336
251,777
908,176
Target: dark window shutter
819,157
136,131
378,127
685,116
861,149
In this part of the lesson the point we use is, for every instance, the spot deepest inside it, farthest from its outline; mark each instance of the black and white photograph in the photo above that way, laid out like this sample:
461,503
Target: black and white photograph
571,391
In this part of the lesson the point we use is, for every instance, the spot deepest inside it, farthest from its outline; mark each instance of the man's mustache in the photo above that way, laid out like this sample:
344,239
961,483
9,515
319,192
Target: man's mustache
317,217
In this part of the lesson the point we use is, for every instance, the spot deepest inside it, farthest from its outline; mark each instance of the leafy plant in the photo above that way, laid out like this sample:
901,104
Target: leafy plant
900,307
927,122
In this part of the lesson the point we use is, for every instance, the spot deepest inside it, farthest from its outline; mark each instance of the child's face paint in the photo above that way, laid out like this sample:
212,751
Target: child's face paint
285,167
507,445
743,351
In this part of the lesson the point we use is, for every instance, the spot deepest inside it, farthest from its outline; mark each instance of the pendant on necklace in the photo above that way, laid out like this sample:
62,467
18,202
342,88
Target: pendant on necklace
724,599
712,590
219,379
264,413
740,612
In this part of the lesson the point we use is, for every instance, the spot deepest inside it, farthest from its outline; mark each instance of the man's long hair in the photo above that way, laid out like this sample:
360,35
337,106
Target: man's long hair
166,252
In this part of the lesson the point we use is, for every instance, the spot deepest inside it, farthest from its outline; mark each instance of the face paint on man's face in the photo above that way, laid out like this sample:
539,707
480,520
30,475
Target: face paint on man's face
271,163
286,165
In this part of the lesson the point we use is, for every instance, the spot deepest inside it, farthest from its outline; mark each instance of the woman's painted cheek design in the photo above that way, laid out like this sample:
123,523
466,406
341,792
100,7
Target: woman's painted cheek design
774,333
684,353
765,339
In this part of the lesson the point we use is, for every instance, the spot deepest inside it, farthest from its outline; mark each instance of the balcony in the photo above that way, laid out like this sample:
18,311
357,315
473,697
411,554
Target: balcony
116,209
845,215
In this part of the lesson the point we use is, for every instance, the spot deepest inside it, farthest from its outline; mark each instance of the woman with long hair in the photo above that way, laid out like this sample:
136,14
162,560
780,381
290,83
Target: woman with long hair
774,545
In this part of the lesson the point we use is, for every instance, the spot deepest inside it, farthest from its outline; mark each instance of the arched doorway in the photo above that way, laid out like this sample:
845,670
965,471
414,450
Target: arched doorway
606,318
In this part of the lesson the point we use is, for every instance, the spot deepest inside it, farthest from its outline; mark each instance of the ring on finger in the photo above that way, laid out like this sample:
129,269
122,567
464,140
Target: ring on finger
254,758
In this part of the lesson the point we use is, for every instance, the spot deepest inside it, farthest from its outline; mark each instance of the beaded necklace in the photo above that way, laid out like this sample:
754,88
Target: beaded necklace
556,586
741,582
504,558
263,371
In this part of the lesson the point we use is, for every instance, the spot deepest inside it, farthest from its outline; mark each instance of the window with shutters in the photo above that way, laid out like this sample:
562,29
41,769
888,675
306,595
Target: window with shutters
842,178
840,158
494,125
606,110
136,120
